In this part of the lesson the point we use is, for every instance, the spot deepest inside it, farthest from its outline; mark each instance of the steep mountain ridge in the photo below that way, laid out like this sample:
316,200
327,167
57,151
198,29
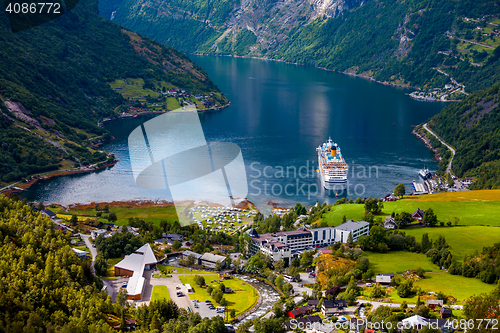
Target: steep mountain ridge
394,41
56,86
472,128
268,21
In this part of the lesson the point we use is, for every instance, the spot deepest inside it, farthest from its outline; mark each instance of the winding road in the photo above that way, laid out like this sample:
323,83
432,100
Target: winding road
448,169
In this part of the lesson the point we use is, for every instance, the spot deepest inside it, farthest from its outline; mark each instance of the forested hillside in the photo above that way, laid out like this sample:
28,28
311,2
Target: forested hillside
472,127
45,287
401,42
55,87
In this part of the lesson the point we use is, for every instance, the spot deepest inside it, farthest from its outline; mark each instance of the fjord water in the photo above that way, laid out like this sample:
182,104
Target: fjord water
279,114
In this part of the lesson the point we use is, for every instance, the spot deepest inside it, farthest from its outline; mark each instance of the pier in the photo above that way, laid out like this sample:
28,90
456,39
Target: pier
418,188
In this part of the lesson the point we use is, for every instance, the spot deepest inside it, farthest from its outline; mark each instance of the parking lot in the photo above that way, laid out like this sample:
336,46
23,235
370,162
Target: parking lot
204,311
306,279
114,285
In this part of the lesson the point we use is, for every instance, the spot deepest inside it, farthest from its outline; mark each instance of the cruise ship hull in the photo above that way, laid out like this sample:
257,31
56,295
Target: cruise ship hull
332,167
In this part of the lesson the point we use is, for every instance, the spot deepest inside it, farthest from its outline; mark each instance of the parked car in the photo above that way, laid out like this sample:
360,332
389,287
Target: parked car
211,307
195,301
180,294
124,285
208,301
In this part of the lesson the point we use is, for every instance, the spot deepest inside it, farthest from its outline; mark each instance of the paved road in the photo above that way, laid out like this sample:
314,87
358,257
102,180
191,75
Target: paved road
93,250
448,169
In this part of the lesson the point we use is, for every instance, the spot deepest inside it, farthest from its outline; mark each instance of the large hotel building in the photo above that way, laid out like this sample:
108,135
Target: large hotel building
289,244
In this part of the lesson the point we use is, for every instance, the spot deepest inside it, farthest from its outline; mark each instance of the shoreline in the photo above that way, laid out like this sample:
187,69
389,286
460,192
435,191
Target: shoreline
310,65
22,185
146,113
427,144
149,203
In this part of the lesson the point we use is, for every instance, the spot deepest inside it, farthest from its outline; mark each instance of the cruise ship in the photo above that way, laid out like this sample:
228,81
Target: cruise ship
332,166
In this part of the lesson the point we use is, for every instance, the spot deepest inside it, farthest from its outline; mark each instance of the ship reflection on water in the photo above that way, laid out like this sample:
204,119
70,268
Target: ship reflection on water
337,190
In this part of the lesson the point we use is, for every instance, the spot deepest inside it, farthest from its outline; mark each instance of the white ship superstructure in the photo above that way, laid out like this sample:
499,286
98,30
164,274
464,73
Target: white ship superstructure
332,166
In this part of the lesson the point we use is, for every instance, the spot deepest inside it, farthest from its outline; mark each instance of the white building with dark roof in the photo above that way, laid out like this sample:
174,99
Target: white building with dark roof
355,228
133,266
197,257
211,260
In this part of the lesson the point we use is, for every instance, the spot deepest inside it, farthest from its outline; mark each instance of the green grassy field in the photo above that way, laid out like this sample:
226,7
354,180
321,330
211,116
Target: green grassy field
462,240
172,103
160,292
436,280
456,285
242,299
471,207
150,214
399,262
133,89
177,270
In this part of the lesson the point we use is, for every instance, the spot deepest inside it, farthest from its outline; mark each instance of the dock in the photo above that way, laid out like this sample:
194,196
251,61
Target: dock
419,188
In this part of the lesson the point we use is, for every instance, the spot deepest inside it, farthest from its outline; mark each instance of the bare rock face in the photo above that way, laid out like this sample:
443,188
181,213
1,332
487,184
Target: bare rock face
270,21
333,8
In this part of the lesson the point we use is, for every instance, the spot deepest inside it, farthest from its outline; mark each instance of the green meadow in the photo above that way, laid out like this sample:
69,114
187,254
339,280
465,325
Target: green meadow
399,261
123,213
478,208
436,280
455,285
462,240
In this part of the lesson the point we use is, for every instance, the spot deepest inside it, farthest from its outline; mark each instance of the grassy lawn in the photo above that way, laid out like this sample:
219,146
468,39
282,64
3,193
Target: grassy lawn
456,285
150,214
436,280
471,207
132,88
462,240
160,292
176,270
242,299
172,103
399,262
351,211
390,297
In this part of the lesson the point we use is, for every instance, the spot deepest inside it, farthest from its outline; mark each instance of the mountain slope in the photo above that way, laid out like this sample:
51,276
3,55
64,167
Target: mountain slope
393,41
472,127
56,85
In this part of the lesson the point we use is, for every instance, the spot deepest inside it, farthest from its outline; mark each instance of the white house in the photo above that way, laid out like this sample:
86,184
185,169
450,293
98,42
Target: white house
384,278
96,233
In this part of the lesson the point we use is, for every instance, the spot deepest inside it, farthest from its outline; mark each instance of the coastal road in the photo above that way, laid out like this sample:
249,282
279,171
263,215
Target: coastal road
448,168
